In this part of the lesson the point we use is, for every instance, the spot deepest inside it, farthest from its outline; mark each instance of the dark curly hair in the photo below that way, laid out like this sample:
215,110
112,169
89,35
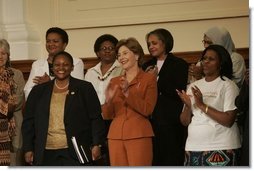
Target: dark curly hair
59,31
64,53
103,38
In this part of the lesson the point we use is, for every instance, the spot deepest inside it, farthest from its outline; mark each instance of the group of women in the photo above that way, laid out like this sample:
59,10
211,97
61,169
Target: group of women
152,117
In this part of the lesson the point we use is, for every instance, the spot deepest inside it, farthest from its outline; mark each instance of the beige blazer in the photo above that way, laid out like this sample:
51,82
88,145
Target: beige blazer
18,116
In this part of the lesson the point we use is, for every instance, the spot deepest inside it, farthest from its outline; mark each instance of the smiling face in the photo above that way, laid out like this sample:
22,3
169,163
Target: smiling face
127,58
3,57
54,43
62,67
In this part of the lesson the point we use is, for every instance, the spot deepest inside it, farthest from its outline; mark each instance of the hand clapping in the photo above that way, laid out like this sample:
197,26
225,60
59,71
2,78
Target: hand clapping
198,97
41,79
152,70
184,97
124,85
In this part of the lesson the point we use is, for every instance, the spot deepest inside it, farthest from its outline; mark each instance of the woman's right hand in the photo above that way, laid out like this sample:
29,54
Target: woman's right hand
29,157
153,69
109,93
41,79
184,97
195,71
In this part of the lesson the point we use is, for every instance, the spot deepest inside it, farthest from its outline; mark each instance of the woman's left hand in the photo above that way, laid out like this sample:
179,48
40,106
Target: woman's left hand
12,127
198,96
124,85
96,152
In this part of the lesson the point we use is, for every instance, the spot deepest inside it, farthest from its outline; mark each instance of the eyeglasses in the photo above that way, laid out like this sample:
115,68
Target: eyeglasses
207,42
110,48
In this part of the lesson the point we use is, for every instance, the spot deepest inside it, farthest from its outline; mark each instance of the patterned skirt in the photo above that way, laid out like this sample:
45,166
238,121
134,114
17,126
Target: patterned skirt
212,158
5,143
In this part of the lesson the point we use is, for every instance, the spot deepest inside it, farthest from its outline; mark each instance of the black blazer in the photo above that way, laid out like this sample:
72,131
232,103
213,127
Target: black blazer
173,75
82,117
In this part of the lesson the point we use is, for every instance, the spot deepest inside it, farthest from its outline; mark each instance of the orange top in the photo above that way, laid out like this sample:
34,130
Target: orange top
131,114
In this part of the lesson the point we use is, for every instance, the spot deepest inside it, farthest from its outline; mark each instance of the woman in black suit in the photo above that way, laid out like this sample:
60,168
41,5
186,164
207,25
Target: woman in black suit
58,110
172,74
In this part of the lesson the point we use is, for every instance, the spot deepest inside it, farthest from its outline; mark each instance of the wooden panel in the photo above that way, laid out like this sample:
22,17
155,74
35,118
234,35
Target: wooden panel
191,57
24,66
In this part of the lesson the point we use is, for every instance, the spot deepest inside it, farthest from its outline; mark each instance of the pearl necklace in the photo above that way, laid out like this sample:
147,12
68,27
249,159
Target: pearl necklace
61,88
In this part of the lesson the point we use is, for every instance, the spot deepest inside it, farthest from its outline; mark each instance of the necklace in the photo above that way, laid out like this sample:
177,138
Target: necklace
104,78
61,88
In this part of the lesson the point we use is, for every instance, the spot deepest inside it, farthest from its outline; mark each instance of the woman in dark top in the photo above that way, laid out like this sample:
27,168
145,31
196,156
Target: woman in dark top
172,74
58,110
242,103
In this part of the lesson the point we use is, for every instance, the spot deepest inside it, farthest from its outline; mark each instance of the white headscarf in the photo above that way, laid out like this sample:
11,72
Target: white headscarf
221,36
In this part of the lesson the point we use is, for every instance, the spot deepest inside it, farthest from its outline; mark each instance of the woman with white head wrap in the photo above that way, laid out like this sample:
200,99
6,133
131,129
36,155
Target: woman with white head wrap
221,36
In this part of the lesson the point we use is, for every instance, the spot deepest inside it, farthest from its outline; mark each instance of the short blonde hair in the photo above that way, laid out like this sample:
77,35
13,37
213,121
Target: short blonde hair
6,47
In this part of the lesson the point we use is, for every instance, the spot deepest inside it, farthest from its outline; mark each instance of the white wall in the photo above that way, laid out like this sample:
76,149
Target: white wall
187,35
85,20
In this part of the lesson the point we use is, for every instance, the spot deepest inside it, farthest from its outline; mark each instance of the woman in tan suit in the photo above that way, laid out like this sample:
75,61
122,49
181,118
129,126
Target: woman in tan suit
130,100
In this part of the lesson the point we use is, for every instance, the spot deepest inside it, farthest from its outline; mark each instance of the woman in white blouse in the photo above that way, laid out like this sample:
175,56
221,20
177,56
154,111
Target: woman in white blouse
56,41
107,68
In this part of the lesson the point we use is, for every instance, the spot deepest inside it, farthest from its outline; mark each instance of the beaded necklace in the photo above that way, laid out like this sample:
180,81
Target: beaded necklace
105,77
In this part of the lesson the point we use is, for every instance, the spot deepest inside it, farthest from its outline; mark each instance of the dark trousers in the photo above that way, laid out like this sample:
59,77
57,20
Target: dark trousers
105,153
168,145
59,157
244,155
